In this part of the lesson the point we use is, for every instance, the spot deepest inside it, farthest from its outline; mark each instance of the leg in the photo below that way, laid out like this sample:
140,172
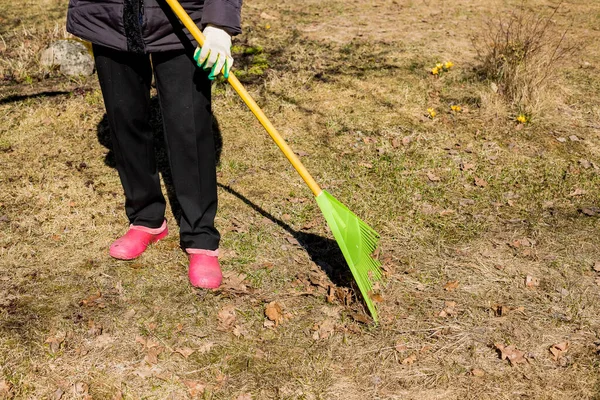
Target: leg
125,82
184,94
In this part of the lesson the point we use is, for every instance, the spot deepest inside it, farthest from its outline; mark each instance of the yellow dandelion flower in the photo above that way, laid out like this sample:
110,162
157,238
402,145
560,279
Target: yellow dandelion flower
439,65
521,119
448,64
435,71
268,26
456,108
431,112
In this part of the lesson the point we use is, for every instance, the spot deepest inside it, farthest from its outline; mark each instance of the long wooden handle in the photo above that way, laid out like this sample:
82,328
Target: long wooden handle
262,118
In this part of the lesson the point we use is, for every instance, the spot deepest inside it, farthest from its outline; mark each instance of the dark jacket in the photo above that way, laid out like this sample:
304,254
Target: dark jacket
147,26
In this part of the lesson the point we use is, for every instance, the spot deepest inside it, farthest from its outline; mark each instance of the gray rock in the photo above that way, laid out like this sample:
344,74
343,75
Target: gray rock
71,55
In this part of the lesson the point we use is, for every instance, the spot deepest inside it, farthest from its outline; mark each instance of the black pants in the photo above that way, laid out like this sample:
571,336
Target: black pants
184,96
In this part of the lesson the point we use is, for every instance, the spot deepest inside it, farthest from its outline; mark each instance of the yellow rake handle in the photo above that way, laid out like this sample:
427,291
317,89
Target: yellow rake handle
262,118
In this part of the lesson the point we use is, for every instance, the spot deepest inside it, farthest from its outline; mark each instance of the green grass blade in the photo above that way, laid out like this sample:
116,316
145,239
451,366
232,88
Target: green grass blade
357,240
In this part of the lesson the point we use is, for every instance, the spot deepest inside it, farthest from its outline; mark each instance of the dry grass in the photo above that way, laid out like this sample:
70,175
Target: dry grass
520,55
345,86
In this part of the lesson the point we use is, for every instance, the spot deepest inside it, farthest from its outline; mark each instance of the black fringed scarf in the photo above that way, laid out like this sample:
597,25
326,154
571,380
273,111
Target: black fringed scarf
132,21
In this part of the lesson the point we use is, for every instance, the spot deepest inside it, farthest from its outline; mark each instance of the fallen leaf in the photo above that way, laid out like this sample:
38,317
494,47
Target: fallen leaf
467,167
274,312
117,396
480,182
264,15
143,372
195,387
449,309
103,340
239,331
590,211
376,297
136,265
477,372
150,343
366,165
597,266
220,379
518,243
450,286
368,139
577,192
81,388
92,300
574,138
4,388
310,225
233,281
259,354
292,240
58,394
205,347
585,164
55,341
244,396
94,329
433,178
558,350
185,351
500,310
226,317
511,353
409,360
531,281
318,278
445,213
406,140
324,329
152,355
362,318
333,312
400,347
268,324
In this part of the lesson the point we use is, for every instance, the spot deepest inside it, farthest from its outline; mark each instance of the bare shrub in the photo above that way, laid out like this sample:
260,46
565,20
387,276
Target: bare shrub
520,55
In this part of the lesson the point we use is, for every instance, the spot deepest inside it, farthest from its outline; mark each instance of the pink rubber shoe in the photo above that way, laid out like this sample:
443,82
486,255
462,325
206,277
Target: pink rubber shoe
204,271
136,240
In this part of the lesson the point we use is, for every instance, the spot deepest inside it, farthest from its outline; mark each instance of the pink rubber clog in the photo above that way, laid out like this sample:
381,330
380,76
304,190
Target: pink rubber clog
204,270
136,241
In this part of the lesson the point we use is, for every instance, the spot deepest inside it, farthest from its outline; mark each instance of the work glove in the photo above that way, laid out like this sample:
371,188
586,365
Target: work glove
216,52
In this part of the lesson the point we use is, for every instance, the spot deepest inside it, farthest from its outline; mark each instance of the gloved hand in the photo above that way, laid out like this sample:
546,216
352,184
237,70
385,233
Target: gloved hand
216,52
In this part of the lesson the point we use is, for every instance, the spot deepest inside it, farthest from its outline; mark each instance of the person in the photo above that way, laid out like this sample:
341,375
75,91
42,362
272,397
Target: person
131,40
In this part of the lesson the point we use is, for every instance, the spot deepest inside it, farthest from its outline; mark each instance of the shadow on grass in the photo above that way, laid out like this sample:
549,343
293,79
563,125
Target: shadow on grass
20,97
322,251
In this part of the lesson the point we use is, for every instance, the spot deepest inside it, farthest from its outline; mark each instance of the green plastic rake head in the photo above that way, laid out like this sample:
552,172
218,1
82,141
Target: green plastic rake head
355,238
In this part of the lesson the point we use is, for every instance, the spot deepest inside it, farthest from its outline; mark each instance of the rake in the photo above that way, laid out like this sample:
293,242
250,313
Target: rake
356,239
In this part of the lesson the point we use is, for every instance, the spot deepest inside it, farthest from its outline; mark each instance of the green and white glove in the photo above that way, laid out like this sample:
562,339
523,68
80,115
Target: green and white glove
216,52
